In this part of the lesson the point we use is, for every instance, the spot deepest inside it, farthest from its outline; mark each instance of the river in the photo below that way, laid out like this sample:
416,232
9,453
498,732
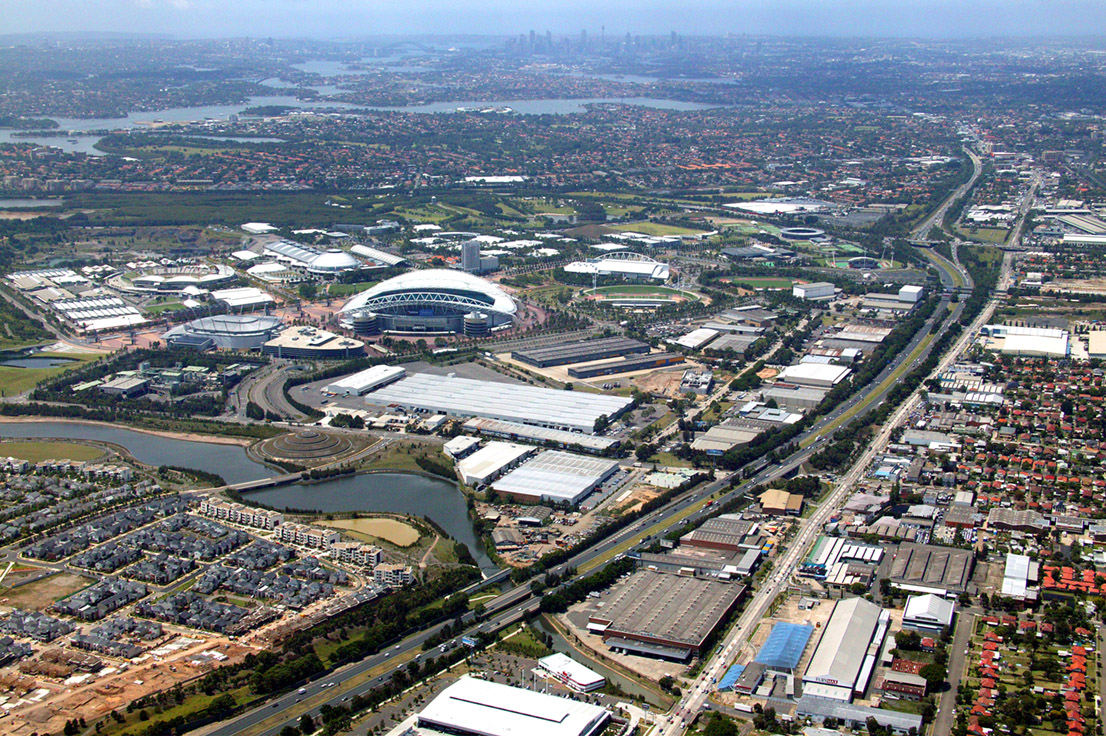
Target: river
402,493
86,142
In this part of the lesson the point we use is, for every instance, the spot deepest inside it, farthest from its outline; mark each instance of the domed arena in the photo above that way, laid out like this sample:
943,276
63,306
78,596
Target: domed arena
430,301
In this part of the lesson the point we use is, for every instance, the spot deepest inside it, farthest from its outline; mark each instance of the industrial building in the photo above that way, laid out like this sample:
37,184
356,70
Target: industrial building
582,351
783,650
796,398
834,557
667,616
1032,342
726,533
910,293
312,343
846,654
816,290
487,463
696,339
778,502
431,301
362,382
539,435
814,375
856,716
228,331
923,568
720,439
736,342
556,477
1020,576
571,673
474,707
510,402
929,613
626,365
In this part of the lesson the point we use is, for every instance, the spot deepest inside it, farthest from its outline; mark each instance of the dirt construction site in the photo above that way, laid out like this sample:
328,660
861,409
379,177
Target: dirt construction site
32,704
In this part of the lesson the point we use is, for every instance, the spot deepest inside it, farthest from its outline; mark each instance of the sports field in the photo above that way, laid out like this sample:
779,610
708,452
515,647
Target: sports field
638,290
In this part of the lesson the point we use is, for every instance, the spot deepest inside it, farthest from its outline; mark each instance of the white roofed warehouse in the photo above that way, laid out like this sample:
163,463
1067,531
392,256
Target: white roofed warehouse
846,654
472,707
430,301
571,673
466,397
555,476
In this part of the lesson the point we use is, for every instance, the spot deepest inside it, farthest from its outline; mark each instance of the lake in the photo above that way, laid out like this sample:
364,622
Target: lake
26,204
229,461
36,361
402,493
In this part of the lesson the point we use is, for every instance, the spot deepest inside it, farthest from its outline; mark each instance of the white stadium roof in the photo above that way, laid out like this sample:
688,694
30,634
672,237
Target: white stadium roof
440,284
482,708
333,261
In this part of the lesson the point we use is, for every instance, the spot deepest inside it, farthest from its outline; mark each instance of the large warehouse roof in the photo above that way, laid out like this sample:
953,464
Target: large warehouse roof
450,285
670,609
557,476
840,653
510,402
785,646
538,435
813,374
483,708
930,569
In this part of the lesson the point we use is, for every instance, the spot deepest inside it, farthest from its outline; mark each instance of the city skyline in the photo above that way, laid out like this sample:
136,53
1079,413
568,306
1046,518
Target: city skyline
331,19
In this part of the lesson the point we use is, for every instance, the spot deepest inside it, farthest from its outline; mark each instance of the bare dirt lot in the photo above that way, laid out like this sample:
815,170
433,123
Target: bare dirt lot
40,594
390,530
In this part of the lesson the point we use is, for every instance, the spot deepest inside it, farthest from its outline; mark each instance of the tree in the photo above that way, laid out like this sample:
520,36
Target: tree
307,726
908,641
308,290
935,674
289,731
601,423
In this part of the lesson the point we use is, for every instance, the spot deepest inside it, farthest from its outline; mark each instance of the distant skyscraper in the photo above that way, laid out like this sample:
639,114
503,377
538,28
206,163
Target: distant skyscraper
470,256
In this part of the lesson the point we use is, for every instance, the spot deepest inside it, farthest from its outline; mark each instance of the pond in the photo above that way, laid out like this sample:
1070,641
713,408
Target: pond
36,361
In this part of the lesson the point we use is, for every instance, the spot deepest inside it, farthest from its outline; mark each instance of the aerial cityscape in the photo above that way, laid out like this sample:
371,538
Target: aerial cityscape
550,382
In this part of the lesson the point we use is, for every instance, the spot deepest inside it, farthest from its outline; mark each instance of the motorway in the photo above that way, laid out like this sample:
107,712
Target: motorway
921,232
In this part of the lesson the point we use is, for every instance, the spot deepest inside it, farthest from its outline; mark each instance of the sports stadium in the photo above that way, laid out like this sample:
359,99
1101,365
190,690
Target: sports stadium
430,301
227,331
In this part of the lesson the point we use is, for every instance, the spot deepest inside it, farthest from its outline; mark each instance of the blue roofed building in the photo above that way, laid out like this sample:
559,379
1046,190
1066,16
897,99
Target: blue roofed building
785,647
732,674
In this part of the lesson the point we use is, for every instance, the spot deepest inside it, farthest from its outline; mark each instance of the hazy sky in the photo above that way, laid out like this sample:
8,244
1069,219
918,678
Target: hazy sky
345,18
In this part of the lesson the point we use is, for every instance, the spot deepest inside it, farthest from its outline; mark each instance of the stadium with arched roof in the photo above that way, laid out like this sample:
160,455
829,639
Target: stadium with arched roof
431,300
